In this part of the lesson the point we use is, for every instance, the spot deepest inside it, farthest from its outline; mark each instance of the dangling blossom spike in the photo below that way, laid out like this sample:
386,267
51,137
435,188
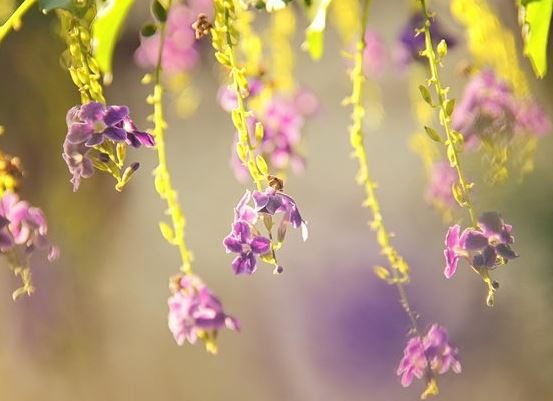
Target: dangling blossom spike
89,126
432,353
195,313
246,240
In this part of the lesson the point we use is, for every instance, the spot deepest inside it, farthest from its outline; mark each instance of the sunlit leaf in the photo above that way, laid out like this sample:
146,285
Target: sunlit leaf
106,28
537,19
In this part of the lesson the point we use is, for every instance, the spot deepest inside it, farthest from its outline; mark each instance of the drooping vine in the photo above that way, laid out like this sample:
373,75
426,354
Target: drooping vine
485,245
417,361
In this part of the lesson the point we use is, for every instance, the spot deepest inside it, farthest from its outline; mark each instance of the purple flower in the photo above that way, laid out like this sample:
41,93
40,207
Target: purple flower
490,111
194,312
411,44
89,126
487,247
442,178
23,225
78,161
271,202
247,246
454,250
435,349
283,118
180,52
243,211
94,122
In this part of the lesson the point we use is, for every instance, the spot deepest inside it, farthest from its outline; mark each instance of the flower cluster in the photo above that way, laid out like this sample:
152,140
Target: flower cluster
245,239
89,127
195,313
283,118
180,51
411,44
433,352
489,111
486,247
23,227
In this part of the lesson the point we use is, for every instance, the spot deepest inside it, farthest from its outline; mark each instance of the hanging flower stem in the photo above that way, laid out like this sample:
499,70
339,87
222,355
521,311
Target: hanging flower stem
224,38
453,140
446,107
14,21
163,183
398,272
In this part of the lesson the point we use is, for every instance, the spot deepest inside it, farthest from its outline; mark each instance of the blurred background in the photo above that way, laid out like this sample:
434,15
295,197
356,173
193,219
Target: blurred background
326,329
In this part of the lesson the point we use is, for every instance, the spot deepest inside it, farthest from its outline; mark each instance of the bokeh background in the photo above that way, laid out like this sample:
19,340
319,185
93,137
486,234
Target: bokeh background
327,329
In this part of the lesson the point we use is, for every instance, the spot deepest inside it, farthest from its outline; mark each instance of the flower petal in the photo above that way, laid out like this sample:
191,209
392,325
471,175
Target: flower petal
115,114
242,231
491,222
244,264
451,260
141,138
95,139
92,111
79,132
506,251
260,245
232,244
115,134
473,240
452,236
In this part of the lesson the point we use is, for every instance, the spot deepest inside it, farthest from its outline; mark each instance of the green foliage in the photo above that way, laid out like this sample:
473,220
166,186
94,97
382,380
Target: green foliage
106,28
536,15
431,132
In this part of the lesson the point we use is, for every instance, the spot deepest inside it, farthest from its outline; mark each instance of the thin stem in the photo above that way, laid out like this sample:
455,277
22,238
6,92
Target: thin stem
14,21
398,266
251,163
453,153
164,184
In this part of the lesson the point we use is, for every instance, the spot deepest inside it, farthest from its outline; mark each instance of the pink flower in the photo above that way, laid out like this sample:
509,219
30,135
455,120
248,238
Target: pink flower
435,349
490,111
194,312
23,226
180,53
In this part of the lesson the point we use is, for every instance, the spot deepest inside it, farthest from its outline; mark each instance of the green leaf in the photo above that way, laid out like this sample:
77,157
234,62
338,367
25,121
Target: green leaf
105,30
166,232
49,5
425,93
537,19
449,106
433,134
159,11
